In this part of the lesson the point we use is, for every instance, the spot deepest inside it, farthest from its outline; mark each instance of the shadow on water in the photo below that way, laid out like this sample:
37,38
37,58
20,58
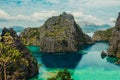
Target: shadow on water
68,60
63,60
91,63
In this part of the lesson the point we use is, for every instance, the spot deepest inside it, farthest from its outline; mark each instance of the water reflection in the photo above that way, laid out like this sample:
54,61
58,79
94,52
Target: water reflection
68,60
90,63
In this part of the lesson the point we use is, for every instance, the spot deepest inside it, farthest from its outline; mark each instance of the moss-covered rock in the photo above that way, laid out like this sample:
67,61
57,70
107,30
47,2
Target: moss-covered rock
16,62
103,35
58,34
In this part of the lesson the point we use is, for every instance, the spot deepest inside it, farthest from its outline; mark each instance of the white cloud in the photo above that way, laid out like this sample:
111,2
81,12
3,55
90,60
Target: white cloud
80,16
4,15
43,15
53,1
34,17
103,3
37,11
112,19
95,3
20,17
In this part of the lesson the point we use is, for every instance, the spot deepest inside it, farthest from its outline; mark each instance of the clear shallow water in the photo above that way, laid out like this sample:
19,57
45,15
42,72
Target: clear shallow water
84,65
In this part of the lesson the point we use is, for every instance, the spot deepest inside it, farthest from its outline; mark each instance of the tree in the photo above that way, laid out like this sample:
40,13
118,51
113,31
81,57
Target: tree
7,55
62,75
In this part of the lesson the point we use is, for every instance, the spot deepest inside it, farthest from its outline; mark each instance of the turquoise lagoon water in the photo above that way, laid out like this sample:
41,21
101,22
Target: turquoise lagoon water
84,65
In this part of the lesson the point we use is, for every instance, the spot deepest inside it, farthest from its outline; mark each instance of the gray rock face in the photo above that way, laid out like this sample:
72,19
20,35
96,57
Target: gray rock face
114,49
58,34
62,34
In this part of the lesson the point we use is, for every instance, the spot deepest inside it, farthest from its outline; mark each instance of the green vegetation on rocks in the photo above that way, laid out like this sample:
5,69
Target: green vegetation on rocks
58,34
30,36
62,75
113,36
16,63
103,35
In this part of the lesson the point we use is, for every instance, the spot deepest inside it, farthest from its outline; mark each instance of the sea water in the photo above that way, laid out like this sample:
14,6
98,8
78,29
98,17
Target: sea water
86,64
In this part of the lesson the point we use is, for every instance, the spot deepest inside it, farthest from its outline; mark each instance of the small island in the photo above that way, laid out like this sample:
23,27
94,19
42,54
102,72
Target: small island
58,34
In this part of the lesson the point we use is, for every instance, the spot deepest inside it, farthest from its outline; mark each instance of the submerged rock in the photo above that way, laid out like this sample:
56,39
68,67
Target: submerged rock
103,54
16,62
58,34
114,49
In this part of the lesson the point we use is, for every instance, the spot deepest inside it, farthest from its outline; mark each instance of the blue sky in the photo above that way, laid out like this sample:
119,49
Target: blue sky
33,13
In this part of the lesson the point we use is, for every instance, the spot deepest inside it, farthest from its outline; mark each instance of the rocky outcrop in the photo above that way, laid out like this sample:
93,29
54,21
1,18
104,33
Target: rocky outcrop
103,54
62,34
31,36
114,49
16,62
58,34
103,35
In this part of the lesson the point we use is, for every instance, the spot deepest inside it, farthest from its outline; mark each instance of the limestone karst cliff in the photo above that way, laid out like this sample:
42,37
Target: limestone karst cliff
58,34
114,49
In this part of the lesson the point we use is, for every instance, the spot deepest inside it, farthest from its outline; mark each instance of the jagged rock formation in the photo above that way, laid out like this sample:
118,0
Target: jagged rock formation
114,49
62,34
16,63
58,34
103,35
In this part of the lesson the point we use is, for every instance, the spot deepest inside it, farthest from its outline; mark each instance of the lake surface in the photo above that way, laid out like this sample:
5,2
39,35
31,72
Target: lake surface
86,64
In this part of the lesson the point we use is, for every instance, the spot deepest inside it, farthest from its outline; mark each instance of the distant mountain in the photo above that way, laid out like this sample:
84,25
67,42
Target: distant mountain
16,28
91,27
84,23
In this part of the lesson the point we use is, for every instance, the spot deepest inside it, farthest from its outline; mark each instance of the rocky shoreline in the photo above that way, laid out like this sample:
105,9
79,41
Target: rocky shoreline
111,35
